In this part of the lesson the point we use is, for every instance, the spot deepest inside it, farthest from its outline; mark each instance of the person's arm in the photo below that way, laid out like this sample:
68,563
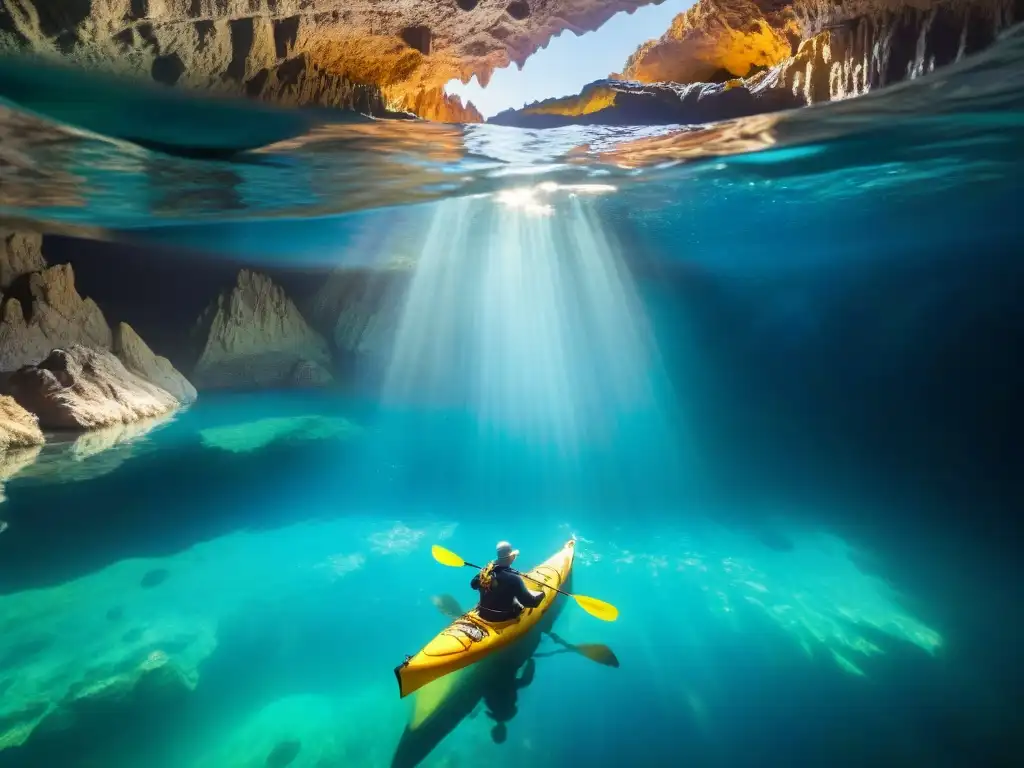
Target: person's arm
527,597
475,583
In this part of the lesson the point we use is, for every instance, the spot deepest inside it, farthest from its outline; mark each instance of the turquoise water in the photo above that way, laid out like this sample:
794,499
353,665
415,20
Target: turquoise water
773,394
261,558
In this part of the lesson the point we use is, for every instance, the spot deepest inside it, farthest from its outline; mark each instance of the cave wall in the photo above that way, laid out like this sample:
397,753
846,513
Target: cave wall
724,59
314,52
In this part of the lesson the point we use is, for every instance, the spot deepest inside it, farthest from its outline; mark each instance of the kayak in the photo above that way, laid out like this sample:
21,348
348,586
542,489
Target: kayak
471,638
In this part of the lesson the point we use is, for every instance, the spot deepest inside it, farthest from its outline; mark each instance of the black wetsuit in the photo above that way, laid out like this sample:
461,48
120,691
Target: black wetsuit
507,597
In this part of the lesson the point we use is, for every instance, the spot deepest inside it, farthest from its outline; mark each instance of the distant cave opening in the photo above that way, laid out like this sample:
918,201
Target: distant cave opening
518,9
467,5
418,38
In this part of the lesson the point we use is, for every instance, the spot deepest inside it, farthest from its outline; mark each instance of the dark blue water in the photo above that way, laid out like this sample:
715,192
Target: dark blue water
774,395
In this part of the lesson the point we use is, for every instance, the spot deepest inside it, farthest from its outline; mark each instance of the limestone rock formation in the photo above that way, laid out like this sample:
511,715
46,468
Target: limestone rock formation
21,253
716,40
18,427
254,337
42,315
734,58
407,49
846,55
630,103
21,440
82,388
53,315
140,360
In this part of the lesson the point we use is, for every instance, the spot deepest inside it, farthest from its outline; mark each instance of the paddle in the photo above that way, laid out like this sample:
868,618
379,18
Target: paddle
593,606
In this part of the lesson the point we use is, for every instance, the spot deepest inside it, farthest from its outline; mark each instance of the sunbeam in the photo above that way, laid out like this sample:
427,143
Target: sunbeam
523,314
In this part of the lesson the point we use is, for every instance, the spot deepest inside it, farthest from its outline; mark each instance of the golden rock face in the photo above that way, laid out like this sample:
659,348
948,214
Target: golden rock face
716,40
305,51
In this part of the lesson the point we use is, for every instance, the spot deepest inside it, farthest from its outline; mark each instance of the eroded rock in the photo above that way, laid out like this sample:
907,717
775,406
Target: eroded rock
21,253
81,388
140,360
631,103
18,427
53,315
255,337
717,40
406,49
737,58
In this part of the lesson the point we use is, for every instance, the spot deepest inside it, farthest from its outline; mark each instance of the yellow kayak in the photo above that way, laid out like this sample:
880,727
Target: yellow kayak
470,638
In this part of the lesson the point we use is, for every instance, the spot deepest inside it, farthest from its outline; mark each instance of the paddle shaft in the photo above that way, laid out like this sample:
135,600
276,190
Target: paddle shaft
529,578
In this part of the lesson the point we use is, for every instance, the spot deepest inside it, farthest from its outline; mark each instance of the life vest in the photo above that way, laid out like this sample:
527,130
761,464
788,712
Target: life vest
486,577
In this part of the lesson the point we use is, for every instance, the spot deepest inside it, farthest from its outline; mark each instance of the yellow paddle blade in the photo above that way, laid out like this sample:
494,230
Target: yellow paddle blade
599,608
446,557
598,652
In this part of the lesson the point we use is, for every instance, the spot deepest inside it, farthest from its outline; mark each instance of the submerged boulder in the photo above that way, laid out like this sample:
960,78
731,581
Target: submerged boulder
82,388
140,360
255,337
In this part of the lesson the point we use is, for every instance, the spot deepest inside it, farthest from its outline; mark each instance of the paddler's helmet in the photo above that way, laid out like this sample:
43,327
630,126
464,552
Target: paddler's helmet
505,554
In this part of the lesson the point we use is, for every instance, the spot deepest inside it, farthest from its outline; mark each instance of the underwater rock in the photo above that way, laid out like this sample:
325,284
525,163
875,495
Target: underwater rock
18,427
310,721
140,360
255,337
43,311
254,435
154,578
70,671
284,753
81,388
97,705
21,253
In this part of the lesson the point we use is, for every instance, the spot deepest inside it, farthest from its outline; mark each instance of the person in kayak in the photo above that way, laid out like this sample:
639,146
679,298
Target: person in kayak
503,592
